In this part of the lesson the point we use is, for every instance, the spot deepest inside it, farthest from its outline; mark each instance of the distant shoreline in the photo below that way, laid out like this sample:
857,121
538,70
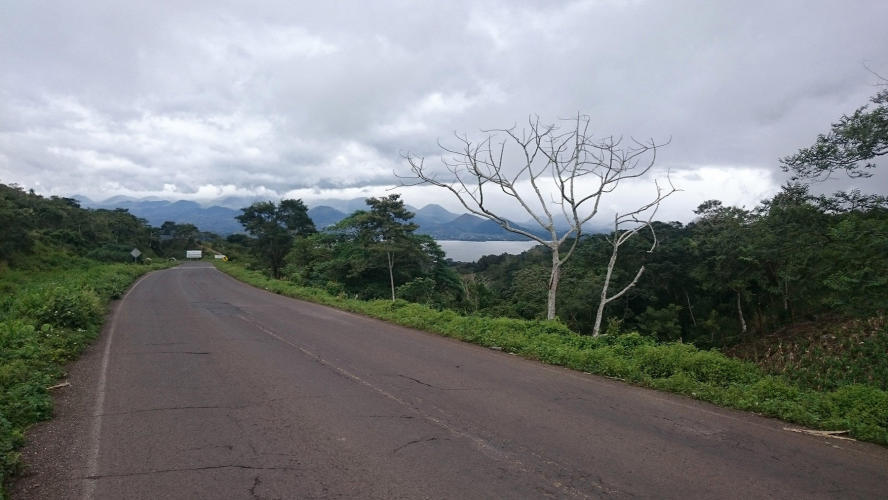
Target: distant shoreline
471,251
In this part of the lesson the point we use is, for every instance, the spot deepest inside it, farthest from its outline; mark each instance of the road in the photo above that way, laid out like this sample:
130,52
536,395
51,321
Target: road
203,387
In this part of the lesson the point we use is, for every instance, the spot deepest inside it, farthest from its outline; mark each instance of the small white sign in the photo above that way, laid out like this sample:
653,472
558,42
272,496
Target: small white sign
136,253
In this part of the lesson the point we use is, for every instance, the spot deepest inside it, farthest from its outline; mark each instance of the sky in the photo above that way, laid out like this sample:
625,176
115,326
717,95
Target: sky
315,100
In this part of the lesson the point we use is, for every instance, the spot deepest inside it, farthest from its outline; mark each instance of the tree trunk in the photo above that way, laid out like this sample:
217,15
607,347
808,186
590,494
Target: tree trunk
391,274
596,330
740,314
690,308
785,294
553,281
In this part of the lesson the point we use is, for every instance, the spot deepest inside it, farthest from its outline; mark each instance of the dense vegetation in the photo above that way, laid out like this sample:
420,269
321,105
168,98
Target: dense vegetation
731,275
59,266
370,254
37,229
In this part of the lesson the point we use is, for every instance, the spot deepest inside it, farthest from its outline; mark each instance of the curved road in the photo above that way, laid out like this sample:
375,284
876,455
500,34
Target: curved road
203,387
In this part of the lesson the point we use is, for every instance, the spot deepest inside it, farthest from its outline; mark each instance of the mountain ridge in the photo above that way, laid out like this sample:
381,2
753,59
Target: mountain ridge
432,219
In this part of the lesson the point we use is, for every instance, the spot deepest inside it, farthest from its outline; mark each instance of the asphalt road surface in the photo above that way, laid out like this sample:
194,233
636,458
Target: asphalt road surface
203,387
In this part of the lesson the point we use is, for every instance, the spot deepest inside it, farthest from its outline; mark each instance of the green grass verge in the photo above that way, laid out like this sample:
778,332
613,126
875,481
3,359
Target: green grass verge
711,376
47,318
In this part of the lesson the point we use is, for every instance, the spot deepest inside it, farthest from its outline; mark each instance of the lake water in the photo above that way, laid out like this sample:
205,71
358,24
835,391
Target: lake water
470,251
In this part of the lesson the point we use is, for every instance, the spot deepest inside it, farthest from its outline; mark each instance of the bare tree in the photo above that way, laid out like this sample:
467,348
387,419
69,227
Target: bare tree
557,175
620,236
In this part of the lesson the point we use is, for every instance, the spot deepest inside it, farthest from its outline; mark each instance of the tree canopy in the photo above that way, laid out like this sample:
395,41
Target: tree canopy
275,227
850,146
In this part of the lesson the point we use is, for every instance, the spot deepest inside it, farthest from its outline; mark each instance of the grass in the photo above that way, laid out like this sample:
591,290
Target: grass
47,318
860,409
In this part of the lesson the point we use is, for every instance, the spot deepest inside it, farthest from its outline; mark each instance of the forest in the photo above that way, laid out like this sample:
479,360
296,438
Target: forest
732,274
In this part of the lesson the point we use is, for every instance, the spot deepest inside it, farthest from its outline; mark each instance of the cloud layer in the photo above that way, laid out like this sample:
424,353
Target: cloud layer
320,99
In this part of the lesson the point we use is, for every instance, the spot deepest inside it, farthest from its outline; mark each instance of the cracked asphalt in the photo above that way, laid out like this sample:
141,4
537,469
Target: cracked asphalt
203,387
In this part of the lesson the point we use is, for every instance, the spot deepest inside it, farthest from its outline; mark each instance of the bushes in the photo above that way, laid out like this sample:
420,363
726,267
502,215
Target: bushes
825,355
64,307
673,366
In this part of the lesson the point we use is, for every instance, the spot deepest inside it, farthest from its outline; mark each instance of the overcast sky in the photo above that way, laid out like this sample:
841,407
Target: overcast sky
203,100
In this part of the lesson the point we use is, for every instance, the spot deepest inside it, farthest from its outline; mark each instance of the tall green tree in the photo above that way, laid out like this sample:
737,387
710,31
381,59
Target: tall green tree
386,229
726,263
275,227
16,220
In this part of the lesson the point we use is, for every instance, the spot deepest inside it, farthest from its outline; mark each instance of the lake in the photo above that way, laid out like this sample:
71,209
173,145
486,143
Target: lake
470,251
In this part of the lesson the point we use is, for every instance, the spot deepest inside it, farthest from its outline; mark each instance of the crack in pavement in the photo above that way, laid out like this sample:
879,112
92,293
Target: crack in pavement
184,469
137,353
420,382
256,483
171,408
415,441
406,417
228,447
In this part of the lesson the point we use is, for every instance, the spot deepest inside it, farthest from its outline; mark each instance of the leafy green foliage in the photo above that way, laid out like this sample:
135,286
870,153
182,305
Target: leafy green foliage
374,254
787,261
674,366
385,229
275,227
850,145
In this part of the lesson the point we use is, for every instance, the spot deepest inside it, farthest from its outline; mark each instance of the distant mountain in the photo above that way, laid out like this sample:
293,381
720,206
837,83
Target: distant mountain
469,227
345,206
324,216
433,220
238,202
433,214
214,219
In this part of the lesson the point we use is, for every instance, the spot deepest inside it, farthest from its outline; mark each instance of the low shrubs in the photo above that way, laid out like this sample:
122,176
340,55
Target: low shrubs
862,410
825,355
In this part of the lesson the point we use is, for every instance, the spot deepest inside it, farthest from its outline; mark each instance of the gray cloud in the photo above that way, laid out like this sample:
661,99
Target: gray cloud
208,98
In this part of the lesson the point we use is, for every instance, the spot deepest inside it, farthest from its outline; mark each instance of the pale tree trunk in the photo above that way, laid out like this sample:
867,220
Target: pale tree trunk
391,274
690,308
740,314
596,330
553,281
619,239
